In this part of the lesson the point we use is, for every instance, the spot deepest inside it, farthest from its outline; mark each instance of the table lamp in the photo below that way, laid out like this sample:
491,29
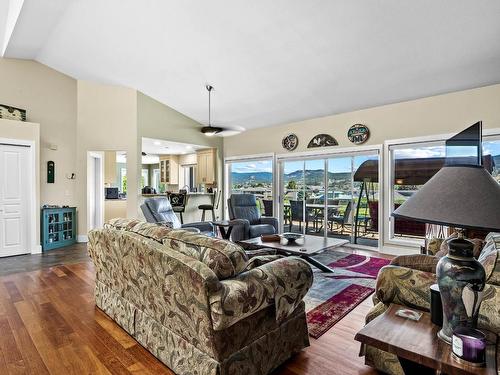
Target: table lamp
463,196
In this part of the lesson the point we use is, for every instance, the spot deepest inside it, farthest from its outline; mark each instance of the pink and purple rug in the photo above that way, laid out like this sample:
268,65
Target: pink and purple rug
334,295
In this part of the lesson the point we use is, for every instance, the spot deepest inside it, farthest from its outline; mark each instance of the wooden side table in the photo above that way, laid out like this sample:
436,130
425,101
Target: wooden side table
225,228
417,347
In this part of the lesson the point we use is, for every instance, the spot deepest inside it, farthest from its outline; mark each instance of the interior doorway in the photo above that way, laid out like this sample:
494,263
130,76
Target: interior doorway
95,189
15,200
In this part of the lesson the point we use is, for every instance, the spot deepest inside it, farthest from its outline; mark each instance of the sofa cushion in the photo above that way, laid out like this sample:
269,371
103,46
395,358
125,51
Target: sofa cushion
225,258
153,231
282,282
122,223
490,259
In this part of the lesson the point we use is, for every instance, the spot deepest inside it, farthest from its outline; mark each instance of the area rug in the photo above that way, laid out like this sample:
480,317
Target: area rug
333,295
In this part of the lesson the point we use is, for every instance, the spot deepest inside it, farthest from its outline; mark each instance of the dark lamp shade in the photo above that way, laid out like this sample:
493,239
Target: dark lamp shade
463,196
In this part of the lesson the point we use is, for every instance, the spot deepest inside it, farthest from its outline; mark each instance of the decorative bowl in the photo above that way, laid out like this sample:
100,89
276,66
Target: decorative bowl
292,239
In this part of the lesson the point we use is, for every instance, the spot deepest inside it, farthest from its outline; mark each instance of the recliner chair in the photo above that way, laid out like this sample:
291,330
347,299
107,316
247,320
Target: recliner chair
247,220
159,210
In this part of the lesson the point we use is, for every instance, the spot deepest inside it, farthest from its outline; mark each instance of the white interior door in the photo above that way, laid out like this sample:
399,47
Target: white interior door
14,200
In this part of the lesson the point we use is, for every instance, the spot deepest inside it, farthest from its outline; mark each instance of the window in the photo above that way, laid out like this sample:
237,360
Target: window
123,180
156,179
190,176
144,177
411,166
253,177
491,151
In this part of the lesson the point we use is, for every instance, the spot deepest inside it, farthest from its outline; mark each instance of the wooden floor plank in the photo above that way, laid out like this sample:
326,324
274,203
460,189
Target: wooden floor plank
49,324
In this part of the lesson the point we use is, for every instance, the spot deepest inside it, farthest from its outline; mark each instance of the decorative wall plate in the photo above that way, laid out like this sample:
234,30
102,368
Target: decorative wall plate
12,113
358,134
290,142
322,140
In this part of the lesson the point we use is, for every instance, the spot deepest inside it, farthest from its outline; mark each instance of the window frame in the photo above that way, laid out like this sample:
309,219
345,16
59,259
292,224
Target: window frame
242,159
388,173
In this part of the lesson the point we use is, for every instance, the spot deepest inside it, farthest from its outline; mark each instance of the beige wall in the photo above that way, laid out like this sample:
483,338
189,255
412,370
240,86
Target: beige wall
26,131
79,116
50,100
156,120
107,120
109,168
434,115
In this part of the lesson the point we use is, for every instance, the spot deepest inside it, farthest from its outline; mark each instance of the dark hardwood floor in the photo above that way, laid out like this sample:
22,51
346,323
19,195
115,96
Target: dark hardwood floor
50,325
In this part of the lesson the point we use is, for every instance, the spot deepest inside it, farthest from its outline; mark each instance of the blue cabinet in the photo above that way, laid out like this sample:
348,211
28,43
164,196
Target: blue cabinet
58,227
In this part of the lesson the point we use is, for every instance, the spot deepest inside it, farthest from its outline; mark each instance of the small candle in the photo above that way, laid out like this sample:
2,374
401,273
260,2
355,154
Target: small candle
469,344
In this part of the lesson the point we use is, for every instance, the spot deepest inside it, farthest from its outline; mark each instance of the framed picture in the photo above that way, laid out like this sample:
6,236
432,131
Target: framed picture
12,113
290,142
322,140
358,134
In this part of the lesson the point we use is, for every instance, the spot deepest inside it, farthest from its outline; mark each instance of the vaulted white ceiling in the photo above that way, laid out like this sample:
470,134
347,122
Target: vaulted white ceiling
270,61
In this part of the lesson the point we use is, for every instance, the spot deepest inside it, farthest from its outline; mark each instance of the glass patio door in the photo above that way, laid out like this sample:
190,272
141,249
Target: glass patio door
292,196
340,195
354,198
336,197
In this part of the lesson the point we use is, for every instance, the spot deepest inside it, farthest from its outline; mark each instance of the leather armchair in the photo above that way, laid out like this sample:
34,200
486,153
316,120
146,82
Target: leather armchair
247,219
159,210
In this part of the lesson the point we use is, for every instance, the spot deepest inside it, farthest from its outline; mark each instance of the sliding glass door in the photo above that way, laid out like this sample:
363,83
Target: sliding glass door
334,197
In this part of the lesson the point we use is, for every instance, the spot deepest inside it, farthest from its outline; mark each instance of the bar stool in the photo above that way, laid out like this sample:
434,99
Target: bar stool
211,207
178,202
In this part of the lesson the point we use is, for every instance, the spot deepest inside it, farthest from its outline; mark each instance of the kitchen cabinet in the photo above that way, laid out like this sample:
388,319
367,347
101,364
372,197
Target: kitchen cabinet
169,169
206,166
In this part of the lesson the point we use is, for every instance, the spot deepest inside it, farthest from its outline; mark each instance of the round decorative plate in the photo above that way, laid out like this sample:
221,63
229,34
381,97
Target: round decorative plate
358,133
290,142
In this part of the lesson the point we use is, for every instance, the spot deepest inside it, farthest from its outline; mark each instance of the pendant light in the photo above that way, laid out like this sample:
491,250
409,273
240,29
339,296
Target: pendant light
210,130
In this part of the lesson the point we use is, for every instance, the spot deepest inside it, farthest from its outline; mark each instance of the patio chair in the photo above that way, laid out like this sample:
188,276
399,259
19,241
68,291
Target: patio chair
297,214
268,207
341,220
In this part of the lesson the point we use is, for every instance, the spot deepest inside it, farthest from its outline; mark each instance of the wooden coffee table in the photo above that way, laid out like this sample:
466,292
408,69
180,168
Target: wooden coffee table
417,346
312,246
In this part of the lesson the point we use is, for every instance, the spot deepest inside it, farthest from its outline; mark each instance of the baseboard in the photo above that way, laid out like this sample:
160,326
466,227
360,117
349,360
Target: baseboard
37,249
82,238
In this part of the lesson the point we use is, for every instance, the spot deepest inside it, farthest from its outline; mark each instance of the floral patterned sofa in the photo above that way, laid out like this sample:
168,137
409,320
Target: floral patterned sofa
198,303
407,281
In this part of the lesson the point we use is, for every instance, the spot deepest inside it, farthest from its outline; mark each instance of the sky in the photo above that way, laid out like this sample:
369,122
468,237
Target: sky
343,164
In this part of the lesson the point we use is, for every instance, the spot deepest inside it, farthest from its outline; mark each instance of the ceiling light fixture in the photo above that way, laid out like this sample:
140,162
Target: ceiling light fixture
210,130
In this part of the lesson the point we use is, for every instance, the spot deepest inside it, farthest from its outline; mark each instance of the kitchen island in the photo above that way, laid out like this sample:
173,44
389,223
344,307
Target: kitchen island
192,213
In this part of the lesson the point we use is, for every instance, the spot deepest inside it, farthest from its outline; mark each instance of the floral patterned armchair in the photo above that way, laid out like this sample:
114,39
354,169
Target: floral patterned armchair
406,281
199,304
